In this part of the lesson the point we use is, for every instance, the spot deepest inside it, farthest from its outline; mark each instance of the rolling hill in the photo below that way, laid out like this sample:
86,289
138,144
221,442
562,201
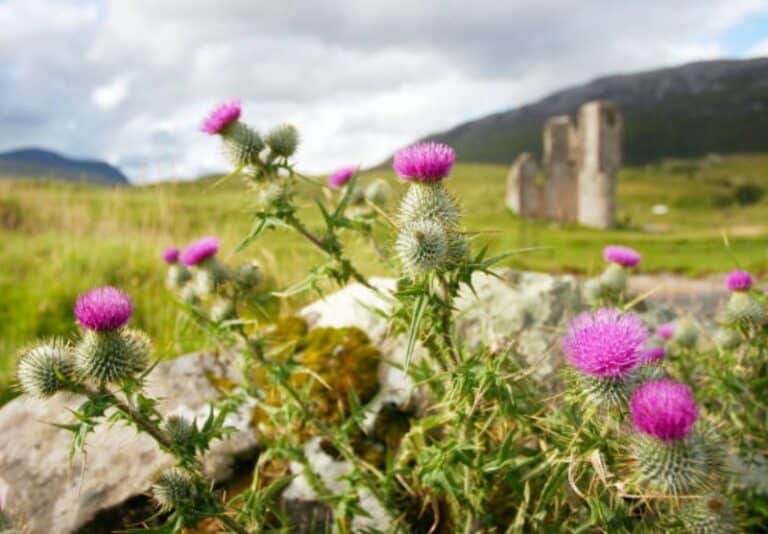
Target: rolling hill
686,111
38,163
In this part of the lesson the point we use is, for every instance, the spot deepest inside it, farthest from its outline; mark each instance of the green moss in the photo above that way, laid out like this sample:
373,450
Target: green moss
332,364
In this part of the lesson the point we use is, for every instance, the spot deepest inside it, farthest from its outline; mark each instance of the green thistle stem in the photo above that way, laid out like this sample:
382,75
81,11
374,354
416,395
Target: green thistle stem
326,245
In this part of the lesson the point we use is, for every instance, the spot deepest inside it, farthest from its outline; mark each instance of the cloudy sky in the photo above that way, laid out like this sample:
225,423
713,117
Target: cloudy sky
129,80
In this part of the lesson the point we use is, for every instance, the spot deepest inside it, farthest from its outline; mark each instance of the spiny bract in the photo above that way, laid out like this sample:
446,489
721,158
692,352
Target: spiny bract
710,514
744,309
111,355
173,488
44,369
242,144
614,278
179,429
422,246
283,140
429,201
680,467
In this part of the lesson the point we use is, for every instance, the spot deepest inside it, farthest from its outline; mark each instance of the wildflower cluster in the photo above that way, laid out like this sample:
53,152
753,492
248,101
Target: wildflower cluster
480,444
214,292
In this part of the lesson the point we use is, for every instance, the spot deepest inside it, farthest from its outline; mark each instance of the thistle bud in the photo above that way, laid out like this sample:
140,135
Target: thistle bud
614,279
107,356
710,514
249,275
173,488
242,144
686,334
283,140
378,192
179,429
422,246
429,200
743,308
45,369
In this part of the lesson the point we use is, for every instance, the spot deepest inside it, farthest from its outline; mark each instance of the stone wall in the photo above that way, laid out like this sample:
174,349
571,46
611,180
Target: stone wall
560,186
580,165
523,193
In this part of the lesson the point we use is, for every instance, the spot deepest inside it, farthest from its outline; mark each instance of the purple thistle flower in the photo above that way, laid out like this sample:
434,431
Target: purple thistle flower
666,331
624,256
654,354
171,255
341,176
103,308
424,162
221,116
739,280
605,343
663,408
200,250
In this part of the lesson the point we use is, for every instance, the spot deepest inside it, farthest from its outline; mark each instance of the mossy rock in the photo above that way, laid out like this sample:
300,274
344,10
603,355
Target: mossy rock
331,363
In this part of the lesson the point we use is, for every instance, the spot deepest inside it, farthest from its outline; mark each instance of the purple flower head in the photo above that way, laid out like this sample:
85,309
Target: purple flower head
654,354
171,255
221,116
341,177
424,162
200,250
605,343
663,408
624,256
666,331
739,280
103,308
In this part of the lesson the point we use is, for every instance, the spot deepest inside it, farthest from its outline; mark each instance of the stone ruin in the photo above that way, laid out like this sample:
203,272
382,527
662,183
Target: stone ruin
579,165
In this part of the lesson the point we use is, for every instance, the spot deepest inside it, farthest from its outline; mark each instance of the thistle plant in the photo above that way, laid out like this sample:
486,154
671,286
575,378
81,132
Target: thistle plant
482,445
107,366
266,165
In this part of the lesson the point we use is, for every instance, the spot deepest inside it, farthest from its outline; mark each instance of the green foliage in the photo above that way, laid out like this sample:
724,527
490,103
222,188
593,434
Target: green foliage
488,447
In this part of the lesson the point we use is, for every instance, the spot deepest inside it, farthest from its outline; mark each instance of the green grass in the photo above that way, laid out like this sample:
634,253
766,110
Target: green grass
58,239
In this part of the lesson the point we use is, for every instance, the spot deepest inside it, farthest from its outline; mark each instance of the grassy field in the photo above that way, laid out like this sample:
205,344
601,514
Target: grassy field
57,240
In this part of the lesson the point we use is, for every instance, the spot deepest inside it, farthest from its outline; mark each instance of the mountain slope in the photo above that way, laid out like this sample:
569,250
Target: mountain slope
686,111
38,163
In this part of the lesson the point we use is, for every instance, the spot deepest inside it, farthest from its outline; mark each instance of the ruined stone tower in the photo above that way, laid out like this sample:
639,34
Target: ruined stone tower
580,166
600,128
522,191
560,186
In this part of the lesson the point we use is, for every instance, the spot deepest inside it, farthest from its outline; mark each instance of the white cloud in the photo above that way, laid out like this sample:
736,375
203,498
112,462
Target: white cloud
111,94
359,79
